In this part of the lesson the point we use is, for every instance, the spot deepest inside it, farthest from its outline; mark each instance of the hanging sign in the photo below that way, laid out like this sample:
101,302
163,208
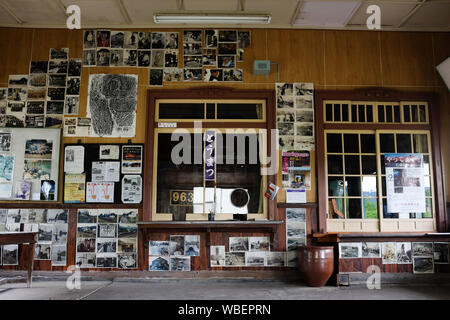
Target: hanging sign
210,155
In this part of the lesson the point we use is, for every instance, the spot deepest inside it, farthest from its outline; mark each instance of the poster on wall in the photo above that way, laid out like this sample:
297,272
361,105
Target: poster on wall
404,182
296,169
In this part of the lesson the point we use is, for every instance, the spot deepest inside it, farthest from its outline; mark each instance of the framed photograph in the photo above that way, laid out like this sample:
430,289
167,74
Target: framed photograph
350,250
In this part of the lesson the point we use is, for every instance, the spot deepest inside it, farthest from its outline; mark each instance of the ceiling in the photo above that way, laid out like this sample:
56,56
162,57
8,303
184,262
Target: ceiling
401,15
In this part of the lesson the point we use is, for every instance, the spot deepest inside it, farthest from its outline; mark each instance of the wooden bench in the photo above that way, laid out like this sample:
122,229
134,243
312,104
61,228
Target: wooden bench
22,238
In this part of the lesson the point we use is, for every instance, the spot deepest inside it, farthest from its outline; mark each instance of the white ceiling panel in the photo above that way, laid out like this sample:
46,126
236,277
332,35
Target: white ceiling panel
325,13
5,17
391,13
281,10
212,5
431,15
141,12
37,11
97,12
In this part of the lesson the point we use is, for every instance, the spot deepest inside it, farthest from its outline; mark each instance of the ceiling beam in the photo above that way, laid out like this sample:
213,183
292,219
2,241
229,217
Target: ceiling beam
6,7
296,12
62,7
124,12
411,13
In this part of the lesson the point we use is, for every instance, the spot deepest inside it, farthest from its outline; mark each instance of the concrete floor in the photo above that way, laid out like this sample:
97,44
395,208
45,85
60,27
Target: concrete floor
129,289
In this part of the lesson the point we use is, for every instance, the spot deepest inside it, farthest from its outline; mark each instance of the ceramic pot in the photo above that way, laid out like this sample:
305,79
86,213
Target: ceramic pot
315,264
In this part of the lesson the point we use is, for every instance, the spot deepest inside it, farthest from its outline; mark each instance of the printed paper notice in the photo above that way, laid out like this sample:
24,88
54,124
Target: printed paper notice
74,159
295,196
74,188
100,192
105,171
132,189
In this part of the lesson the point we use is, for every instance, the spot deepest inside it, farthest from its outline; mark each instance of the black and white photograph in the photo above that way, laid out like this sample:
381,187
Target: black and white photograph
106,245
73,86
389,253
227,48
176,245
171,40
55,107
234,259
304,130
56,54
403,252
89,40
59,255
209,57
74,69
304,102
35,121
127,260
226,61
86,230
17,80
158,263
275,259
255,259
286,129
284,89
180,263
192,49
107,261
192,36
86,244
55,94
285,102
130,40
16,216
238,244
422,249
296,230
10,254
217,256
350,250
45,232
37,93
127,230
17,94
192,62
294,243
38,216
37,80
5,142
16,107
158,248
144,40
130,58
103,38
89,58
441,252
107,230
12,227
303,89
57,80
127,216
85,260
131,189
4,93
211,37
103,57
295,215
156,77
213,75
227,36
423,265
39,67
126,245
286,141
57,216
158,40
53,121
59,236
106,216
42,251
144,57
171,58
157,59
116,58
192,74
232,75
304,116
191,245
259,243
371,250
71,105
87,216
244,39
172,74
57,66
117,38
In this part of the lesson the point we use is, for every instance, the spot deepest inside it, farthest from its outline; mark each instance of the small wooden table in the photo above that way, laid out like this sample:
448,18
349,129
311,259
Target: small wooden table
21,238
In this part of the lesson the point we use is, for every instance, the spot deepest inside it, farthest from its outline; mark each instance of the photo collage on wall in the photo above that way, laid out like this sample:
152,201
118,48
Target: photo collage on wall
92,172
107,238
7,169
41,98
209,55
295,115
52,228
174,254
423,256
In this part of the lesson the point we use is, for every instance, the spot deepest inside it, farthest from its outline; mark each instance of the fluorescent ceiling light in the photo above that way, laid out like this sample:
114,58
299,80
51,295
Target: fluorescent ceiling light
197,18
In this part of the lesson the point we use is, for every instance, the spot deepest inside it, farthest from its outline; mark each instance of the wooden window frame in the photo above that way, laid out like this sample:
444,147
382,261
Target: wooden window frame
381,95
203,93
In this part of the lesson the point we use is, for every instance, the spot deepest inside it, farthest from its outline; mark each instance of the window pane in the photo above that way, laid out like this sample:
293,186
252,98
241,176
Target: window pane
387,143
335,186
415,113
426,164
354,113
368,143
369,186
336,205
406,114
239,111
397,113
383,166
420,143
181,111
429,212
337,112
361,113
334,142
334,164
427,185
388,113
353,186
210,111
380,113
404,143
352,165
328,112
351,143
369,112
369,164
423,116
383,185
388,215
354,208
345,112
370,209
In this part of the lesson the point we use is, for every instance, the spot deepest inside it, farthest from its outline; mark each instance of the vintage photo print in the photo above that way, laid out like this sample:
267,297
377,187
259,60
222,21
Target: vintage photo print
286,142
39,67
159,263
244,39
285,102
59,255
31,227
227,48
116,58
130,40
296,230
37,80
213,75
144,57
232,75
127,230
295,215
103,57
192,36
127,216
56,94
130,58
117,38
227,36
192,61
45,233
17,94
304,116
38,216
56,54
89,40
58,66
42,251
144,40
107,261
10,254
176,245
158,40
255,259
103,38
54,107
106,245
209,57
5,141
17,80
275,259
106,216
217,256
403,252
86,245
238,244
73,86
303,89
127,260
350,250
441,252
172,74
192,245
71,105
388,253
171,58
126,245
89,58
180,263
87,230
422,249
226,61
192,74
74,69
38,149
107,230
294,243
59,233
171,40
85,260
371,250
284,89
304,130
37,93
12,227
235,259
423,265
259,243
286,129
158,248
304,102
157,59
192,49
156,77
211,37
53,122
87,216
